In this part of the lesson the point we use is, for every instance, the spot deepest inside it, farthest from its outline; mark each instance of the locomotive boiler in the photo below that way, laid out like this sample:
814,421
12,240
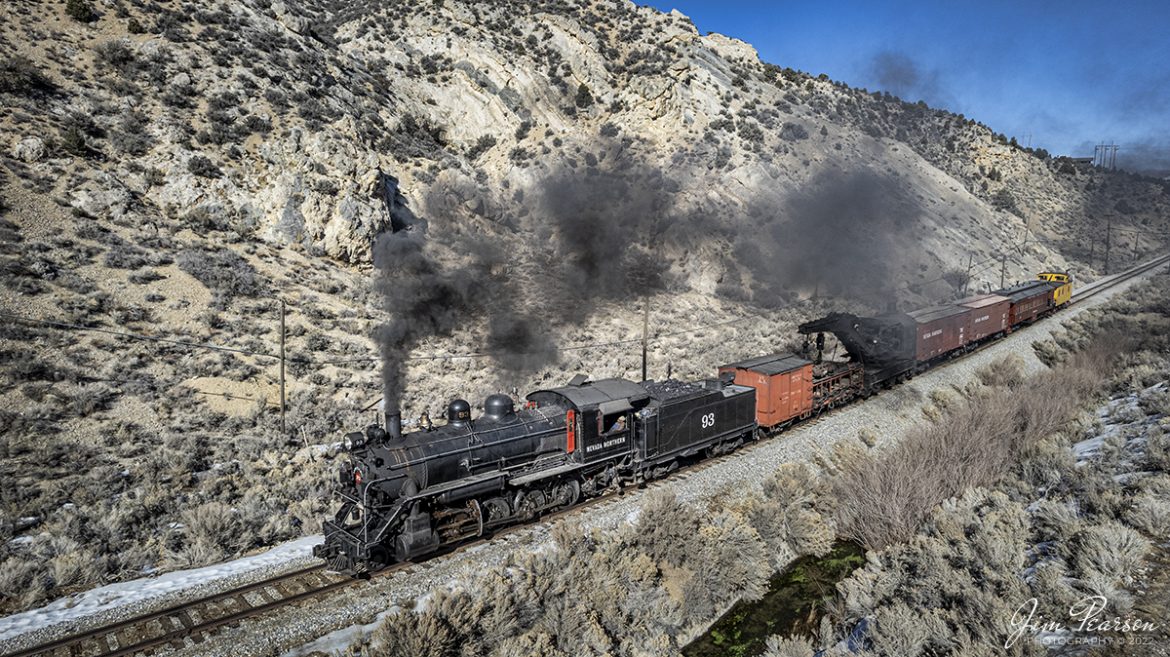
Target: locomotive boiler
406,496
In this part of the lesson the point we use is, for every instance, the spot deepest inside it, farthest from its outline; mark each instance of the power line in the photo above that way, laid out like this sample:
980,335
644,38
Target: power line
343,361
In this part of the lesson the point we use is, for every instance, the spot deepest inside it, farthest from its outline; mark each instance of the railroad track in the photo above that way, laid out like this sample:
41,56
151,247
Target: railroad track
1099,286
191,621
176,623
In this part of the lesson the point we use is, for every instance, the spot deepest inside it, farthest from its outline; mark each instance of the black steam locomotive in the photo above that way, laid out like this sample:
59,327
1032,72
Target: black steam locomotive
403,496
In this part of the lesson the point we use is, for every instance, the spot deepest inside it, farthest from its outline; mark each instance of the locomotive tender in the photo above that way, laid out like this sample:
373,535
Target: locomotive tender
404,496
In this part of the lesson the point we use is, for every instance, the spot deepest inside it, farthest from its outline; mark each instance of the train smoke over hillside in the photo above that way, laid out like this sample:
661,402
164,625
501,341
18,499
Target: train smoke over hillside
426,298
596,231
423,300
900,75
608,227
842,234
601,235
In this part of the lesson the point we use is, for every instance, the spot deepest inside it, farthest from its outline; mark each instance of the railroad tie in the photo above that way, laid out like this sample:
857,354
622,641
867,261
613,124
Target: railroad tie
184,620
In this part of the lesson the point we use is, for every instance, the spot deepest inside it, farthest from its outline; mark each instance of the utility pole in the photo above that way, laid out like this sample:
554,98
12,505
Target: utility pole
645,331
967,278
1002,270
282,397
1135,240
1108,237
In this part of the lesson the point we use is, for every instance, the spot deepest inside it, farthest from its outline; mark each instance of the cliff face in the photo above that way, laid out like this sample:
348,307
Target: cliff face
273,119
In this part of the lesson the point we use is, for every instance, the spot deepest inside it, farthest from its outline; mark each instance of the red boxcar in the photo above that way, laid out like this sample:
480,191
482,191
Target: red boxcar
1029,301
941,329
990,314
783,384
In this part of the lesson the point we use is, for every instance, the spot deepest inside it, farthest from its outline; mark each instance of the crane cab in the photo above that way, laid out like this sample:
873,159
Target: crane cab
1062,286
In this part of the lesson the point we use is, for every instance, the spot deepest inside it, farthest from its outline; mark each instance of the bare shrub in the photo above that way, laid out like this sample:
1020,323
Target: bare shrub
1111,550
1005,372
80,10
214,525
1151,514
959,576
884,498
226,274
132,135
117,56
1157,453
628,591
899,630
413,635
1055,521
203,167
792,517
18,578
18,75
789,647
73,568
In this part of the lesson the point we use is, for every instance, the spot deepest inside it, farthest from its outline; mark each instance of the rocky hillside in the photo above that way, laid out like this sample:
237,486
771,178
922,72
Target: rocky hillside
171,169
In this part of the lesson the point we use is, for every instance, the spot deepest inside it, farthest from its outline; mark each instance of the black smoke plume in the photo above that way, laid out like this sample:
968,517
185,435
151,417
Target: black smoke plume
900,75
842,234
1150,156
423,300
607,227
594,235
427,298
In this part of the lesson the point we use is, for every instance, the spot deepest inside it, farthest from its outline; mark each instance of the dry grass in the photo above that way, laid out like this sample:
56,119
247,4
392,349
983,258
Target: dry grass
632,590
884,498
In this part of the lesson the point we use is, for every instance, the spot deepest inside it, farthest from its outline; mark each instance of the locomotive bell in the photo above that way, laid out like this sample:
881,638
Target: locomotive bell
458,412
498,407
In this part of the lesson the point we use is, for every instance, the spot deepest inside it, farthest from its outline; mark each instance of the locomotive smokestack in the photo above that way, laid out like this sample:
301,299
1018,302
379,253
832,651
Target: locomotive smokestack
393,424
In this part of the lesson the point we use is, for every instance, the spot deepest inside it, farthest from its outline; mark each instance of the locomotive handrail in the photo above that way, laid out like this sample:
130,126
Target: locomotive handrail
366,505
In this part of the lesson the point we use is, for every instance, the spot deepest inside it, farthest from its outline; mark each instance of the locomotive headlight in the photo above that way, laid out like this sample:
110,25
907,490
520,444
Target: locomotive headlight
353,441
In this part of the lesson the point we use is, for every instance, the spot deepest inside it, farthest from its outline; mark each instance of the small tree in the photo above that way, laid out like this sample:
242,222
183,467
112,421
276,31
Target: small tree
481,146
203,167
584,97
19,75
80,10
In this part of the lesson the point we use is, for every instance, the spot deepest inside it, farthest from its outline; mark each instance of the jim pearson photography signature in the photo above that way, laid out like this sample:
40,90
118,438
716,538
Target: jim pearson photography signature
1084,616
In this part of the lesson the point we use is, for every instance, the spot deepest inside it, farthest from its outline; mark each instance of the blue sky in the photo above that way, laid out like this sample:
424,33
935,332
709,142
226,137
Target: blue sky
1062,75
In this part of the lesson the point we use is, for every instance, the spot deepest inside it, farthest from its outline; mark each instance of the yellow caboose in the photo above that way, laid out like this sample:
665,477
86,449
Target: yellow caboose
1063,292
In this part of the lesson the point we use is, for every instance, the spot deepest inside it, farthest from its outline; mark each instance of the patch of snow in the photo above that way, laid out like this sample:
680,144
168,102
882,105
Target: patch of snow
111,596
339,641
1086,449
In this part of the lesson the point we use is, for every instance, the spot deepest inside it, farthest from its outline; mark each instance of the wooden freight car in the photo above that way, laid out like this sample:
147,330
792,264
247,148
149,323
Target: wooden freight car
941,330
783,384
990,315
1030,300
790,388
